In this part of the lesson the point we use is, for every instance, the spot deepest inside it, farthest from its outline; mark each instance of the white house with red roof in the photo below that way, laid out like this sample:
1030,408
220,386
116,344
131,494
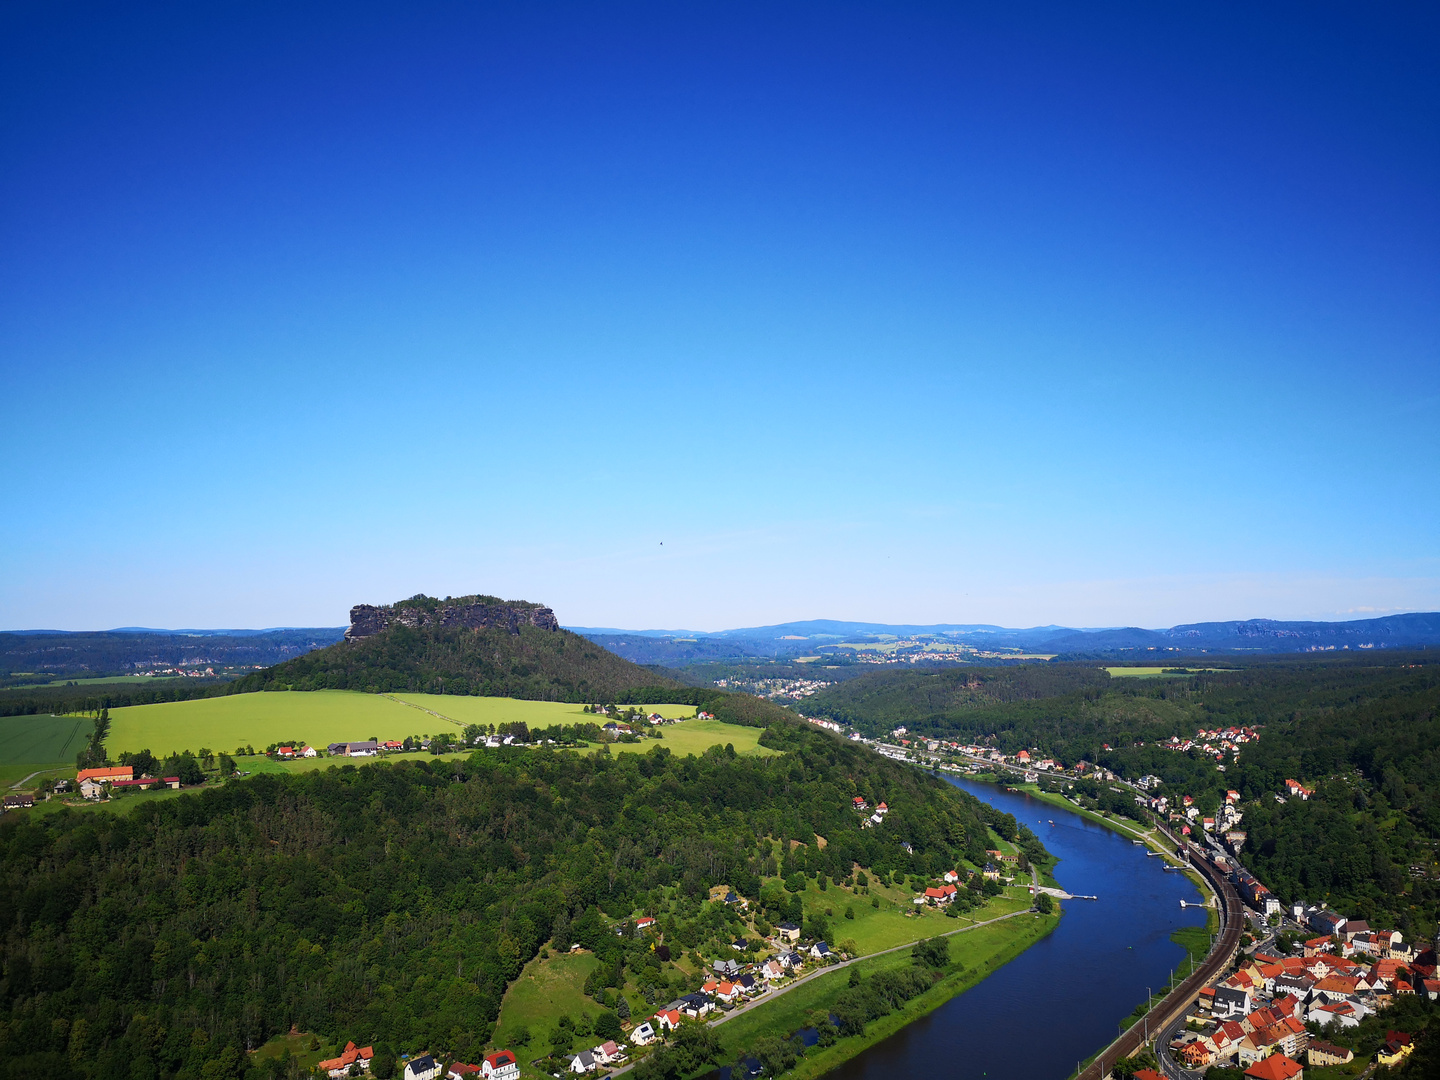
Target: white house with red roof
501,1065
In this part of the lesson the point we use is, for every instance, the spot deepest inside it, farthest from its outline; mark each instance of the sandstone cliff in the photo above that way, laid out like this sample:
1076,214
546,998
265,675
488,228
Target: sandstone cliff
468,612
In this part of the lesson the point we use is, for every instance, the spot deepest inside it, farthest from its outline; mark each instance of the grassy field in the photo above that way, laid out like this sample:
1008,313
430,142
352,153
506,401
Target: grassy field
42,740
321,717
896,921
545,991
697,736
488,710
318,717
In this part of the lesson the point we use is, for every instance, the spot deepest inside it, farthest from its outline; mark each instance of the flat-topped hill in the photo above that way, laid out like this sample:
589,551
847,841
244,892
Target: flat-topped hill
466,645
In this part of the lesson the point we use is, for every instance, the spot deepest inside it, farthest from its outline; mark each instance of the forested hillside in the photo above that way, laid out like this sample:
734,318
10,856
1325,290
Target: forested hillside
543,665
393,903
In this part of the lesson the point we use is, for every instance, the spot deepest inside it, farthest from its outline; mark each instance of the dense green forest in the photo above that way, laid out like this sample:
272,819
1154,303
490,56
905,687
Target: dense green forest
1365,733
393,903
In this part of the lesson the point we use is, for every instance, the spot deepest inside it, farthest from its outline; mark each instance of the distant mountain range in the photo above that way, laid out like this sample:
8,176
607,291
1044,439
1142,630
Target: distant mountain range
1238,637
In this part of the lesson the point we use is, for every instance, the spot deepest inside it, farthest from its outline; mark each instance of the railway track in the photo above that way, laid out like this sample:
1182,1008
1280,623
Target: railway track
1227,942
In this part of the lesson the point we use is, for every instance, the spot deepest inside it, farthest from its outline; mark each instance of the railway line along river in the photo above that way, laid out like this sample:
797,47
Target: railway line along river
1061,1001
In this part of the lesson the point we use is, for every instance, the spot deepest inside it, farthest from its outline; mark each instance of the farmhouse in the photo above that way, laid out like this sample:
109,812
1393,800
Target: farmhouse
352,1055
105,776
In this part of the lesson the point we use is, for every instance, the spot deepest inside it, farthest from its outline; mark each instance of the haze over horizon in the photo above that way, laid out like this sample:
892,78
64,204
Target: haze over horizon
719,317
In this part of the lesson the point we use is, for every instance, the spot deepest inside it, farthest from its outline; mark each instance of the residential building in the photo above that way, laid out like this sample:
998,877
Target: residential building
607,1052
1275,1067
789,931
351,1055
459,1070
644,1034
423,1067
1324,1053
582,1062
105,776
500,1065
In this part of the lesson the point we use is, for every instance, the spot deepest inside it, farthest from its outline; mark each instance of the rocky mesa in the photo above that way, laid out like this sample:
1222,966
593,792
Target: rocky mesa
468,612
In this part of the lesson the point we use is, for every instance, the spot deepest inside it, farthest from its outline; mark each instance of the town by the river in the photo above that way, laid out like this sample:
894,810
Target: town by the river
1063,998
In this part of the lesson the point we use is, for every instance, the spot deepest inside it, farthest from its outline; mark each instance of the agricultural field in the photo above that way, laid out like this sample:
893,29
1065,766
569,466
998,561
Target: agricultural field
319,717
42,740
494,710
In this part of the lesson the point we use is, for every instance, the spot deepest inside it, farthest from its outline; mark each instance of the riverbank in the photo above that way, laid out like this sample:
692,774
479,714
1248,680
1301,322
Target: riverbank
1125,827
976,952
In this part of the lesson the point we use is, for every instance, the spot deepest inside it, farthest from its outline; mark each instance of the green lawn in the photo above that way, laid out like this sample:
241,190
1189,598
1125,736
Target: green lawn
42,740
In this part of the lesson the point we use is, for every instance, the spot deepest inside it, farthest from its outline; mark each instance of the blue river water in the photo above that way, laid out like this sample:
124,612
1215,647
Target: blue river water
1062,999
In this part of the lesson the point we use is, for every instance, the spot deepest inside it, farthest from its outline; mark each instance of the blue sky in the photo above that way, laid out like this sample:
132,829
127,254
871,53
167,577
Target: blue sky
719,315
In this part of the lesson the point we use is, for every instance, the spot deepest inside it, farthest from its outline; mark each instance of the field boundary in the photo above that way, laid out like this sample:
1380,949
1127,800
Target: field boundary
422,708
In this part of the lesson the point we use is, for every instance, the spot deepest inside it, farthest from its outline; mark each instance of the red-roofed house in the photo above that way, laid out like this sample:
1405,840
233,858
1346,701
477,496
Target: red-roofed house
500,1065
644,922
1275,1067
105,776
668,1020
353,1055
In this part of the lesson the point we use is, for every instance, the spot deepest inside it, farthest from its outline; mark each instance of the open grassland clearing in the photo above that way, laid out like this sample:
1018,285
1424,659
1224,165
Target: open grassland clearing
697,736
42,740
897,920
545,991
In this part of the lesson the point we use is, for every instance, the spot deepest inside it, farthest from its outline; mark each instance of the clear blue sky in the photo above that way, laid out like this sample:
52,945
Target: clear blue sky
706,315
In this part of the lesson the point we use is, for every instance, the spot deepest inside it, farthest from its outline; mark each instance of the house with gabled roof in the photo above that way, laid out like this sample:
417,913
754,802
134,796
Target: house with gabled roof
501,1065
1275,1067
351,1055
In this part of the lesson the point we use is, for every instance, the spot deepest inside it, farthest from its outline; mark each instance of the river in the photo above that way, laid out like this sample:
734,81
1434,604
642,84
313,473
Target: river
1060,1001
